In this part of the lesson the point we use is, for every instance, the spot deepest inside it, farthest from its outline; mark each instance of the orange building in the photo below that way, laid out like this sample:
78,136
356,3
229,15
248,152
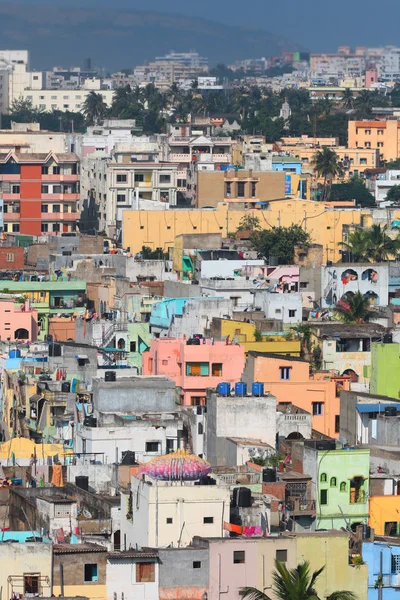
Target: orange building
380,135
384,514
40,192
289,380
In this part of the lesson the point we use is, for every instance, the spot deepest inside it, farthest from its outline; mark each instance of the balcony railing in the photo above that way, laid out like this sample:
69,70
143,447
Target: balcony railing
299,505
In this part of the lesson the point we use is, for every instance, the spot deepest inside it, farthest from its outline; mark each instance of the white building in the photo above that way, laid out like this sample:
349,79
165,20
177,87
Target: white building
132,575
340,280
286,307
383,183
163,513
71,100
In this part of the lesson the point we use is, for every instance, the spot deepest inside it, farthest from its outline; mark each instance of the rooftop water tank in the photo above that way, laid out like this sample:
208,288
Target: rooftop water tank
240,388
224,389
257,389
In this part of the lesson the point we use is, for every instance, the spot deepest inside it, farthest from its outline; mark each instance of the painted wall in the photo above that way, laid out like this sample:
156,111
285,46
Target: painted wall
19,559
384,509
385,369
371,553
122,581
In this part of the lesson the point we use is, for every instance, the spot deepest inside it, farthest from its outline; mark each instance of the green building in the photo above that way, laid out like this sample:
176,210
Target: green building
342,486
139,341
50,297
385,370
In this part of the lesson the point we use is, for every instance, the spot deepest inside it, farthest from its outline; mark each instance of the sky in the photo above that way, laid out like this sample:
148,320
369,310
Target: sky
316,25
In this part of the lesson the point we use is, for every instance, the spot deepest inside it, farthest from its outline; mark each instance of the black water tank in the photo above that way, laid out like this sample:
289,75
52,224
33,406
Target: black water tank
128,458
110,376
242,497
66,386
390,411
269,475
90,421
82,482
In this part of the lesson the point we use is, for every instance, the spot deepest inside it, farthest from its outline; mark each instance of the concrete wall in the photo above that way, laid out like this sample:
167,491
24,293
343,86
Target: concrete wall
178,576
18,559
277,306
134,394
348,417
178,289
197,316
122,581
74,571
101,477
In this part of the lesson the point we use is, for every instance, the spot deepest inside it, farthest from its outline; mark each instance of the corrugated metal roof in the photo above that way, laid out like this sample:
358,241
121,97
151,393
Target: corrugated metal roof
370,408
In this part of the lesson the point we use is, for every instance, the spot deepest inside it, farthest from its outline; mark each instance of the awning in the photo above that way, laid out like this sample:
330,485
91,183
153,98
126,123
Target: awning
82,357
395,224
372,408
35,398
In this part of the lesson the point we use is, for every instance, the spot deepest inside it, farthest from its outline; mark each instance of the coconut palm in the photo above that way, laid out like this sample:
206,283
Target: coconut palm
355,308
357,245
363,104
294,584
94,108
326,164
348,99
380,245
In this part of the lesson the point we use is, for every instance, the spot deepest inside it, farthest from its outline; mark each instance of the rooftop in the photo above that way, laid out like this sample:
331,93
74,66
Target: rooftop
77,548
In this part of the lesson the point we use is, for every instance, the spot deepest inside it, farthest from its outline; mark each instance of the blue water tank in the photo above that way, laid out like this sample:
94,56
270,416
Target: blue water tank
240,388
224,389
15,354
257,389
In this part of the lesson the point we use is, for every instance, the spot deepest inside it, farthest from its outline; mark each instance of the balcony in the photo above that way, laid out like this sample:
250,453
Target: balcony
224,158
299,506
12,216
60,216
58,178
6,177
52,197
180,158
9,196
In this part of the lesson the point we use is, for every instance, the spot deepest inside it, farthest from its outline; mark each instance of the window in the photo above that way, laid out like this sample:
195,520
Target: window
253,190
238,557
240,189
10,257
121,198
56,170
45,227
45,170
285,373
197,369
164,362
292,313
15,227
132,347
333,482
323,478
152,446
208,520
395,563
195,400
363,161
56,227
90,573
145,573
165,178
35,77
324,497
281,555
56,189
380,145
200,429
317,409
337,423
121,178
139,178
56,208
216,370
343,486
15,189
228,189
31,584
197,564
170,445
391,528
170,520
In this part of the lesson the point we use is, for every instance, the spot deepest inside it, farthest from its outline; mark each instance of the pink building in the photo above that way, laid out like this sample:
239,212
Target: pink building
17,321
194,368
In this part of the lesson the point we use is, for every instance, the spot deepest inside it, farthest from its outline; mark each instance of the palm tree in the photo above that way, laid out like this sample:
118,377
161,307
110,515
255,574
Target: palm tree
348,99
94,108
326,165
363,104
380,245
294,584
357,245
355,308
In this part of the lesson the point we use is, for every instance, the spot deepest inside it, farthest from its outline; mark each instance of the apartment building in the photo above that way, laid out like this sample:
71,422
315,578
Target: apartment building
337,66
71,100
28,137
128,178
40,192
383,136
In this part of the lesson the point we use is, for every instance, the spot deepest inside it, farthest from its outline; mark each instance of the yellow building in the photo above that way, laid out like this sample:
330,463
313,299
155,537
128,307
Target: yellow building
23,449
25,568
383,136
331,549
384,514
158,229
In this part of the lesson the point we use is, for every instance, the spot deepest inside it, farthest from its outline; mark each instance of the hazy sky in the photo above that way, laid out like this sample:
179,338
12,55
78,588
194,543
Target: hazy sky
315,24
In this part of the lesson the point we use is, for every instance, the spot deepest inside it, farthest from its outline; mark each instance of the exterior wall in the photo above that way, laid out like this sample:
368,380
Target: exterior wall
338,280
331,550
63,100
14,317
385,370
161,227
122,581
73,567
179,580
343,361
11,257
170,357
380,558
382,135
283,307
20,559
342,465
382,510
62,329
227,577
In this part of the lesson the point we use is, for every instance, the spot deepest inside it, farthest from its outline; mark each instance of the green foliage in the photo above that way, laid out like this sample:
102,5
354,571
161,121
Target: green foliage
94,108
275,460
393,164
149,254
317,357
371,245
393,194
326,164
303,332
258,337
249,223
353,189
257,460
355,308
279,242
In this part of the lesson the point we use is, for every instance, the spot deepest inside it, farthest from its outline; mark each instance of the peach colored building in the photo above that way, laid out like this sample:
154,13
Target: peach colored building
194,368
63,329
17,321
381,135
289,380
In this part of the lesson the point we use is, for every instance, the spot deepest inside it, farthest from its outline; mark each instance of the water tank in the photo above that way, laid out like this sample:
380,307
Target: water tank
257,389
110,376
269,475
242,497
82,482
15,354
390,411
240,388
224,389
65,386
90,421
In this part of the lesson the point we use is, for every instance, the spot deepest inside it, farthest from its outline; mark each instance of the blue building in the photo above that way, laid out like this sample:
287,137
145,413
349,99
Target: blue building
383,560
286,164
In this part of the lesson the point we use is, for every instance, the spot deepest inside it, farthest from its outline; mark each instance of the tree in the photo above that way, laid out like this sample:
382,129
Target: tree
379,245
294,584
279,242
94,108
353,189
348,99
363,104
249,223
393,164
356,246
326,165
393,194
355,308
